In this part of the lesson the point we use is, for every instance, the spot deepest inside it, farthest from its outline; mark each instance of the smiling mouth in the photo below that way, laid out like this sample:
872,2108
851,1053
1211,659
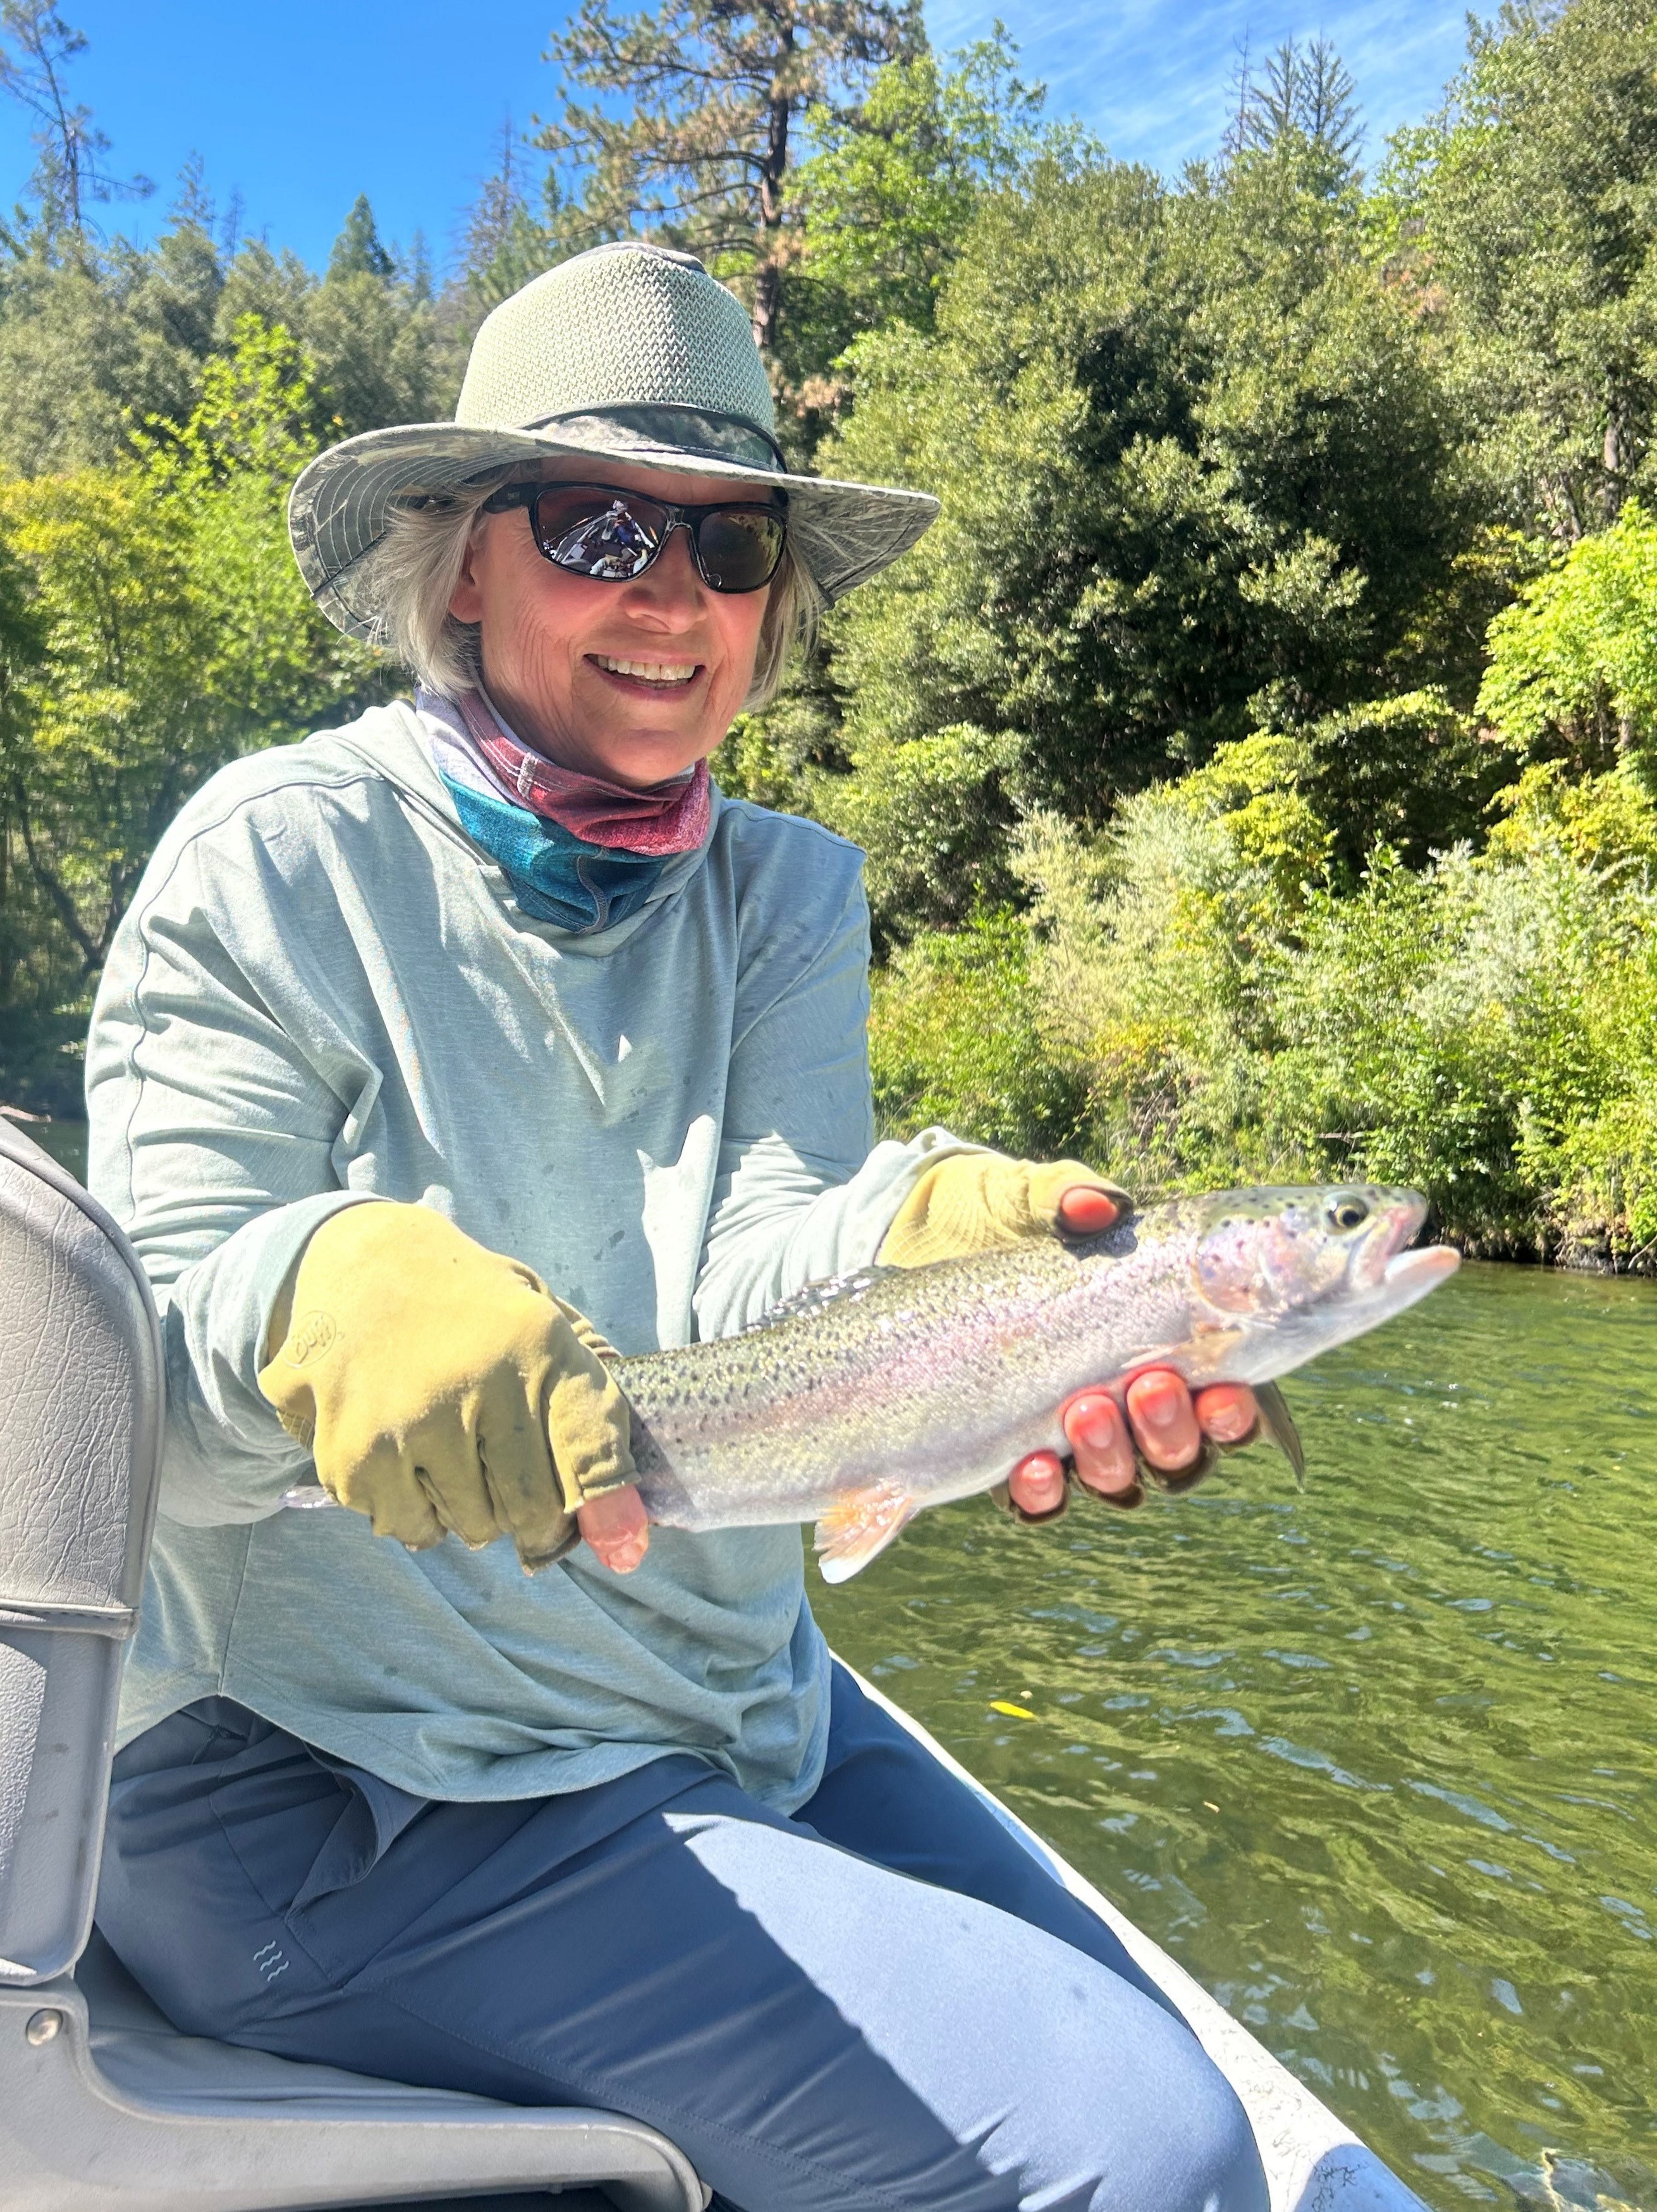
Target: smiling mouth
664,674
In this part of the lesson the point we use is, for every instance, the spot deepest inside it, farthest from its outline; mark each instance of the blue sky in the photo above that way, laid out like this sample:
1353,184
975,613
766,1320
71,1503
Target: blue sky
299,107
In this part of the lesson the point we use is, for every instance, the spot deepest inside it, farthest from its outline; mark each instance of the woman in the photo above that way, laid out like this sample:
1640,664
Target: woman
493,993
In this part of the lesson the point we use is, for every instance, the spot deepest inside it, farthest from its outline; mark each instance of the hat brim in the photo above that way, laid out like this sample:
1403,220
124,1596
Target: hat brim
339,509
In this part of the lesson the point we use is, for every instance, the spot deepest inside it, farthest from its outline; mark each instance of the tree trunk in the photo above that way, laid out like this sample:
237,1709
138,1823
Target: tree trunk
1612,455
773,166
92,949
766,287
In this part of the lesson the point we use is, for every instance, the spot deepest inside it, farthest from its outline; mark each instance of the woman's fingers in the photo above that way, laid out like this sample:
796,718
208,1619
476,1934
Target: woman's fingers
1174,1430
1085,1210
617,1529
1226,1413
1036,1485
1163,1419
1104,1450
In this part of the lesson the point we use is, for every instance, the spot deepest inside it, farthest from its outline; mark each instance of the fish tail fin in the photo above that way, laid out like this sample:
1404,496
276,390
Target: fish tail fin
859,1524
1279,1423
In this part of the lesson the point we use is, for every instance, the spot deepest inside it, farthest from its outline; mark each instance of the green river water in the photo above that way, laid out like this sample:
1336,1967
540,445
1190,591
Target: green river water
1375,1761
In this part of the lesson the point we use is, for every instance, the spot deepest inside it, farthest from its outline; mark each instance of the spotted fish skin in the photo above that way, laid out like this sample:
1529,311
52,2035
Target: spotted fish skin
859,1404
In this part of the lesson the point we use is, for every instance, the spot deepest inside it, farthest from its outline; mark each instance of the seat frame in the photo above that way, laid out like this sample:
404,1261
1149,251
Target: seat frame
104,2106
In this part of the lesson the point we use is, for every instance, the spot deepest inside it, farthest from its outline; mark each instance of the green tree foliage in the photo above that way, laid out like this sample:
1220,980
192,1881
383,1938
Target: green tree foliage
93,340
1215,828
1527,212
357,251
1198,475
1303,97
153,625
39,971
114,724
92,344
96,336
273,664
954,1038
1573,666
506,241
691,133
1485,1029
892,185
1409,772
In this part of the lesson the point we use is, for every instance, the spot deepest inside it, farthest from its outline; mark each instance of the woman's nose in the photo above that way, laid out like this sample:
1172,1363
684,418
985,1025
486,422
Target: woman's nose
671,585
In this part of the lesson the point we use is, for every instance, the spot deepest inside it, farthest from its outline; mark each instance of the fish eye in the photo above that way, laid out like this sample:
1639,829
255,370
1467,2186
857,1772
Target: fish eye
1349,1213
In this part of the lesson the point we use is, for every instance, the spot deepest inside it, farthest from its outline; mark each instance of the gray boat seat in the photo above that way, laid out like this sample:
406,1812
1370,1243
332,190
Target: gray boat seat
104,2106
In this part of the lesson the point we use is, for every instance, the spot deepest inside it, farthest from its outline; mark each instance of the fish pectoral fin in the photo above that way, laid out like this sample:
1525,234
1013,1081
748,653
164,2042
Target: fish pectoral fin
1279,1423
859,1524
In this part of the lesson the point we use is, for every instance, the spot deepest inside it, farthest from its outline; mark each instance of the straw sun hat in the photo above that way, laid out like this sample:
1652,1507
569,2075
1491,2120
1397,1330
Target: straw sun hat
630,353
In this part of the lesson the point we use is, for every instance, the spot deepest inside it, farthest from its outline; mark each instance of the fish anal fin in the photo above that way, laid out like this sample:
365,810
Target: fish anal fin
859,1524
1279,1423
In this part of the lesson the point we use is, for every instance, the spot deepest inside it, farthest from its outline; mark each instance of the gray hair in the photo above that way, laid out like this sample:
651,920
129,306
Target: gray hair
417,566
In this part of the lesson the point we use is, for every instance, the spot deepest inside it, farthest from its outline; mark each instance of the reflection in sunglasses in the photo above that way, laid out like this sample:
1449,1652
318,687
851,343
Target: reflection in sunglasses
608,545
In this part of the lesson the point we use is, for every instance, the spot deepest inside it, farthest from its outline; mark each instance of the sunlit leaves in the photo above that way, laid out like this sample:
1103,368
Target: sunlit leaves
1573,668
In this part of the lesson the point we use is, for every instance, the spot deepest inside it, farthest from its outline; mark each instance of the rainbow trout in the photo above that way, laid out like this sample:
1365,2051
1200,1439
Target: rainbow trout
863,1401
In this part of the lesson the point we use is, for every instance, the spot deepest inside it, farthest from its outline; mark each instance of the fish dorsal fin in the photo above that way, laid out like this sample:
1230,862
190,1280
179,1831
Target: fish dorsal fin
829,1291
859,1524
1279,1423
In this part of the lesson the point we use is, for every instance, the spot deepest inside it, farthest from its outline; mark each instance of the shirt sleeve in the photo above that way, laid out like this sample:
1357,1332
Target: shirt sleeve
803,1192
211,1141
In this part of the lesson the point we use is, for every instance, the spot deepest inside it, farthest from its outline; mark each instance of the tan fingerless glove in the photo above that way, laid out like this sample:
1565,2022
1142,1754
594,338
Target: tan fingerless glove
442,1388
984,1202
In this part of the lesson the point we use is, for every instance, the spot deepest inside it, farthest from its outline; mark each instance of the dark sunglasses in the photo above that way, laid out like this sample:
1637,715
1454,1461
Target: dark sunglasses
596,530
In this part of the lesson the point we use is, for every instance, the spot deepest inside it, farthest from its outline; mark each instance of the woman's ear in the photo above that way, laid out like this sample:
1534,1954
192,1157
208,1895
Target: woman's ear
466,600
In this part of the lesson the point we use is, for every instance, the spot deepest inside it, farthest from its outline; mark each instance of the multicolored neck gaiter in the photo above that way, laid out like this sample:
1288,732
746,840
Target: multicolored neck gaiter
578,852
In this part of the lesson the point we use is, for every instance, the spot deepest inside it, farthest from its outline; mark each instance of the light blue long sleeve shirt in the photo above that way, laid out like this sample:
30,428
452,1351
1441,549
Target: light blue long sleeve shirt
323,993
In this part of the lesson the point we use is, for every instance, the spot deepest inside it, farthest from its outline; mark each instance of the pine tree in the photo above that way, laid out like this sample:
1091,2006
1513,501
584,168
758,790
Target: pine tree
1304,100
504,243
693,136
36,47
357,250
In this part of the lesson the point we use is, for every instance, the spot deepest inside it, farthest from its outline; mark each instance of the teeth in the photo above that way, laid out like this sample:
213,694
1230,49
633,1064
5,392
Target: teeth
653,672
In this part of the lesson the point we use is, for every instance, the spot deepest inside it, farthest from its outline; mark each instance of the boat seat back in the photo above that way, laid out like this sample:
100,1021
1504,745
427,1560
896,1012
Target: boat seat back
104,2106
81,1398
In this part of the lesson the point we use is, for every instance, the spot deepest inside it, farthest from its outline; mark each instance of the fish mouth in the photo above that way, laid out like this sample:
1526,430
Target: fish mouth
1394,1223
1414,1273
1390,1267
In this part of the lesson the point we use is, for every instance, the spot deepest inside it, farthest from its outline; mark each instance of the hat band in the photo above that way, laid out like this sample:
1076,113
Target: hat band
685,429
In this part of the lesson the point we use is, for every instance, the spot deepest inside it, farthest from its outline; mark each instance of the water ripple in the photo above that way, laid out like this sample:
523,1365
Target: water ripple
1291,1727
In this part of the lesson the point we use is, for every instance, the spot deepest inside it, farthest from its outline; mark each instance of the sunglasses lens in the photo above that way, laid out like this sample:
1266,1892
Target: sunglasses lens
598,534
738,549
616,535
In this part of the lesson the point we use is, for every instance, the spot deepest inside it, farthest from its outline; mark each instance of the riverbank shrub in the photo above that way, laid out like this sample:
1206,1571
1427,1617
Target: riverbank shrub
1214,1010
954,1039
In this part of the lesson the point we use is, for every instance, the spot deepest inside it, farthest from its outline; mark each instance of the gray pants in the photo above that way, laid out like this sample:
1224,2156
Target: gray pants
885,2002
